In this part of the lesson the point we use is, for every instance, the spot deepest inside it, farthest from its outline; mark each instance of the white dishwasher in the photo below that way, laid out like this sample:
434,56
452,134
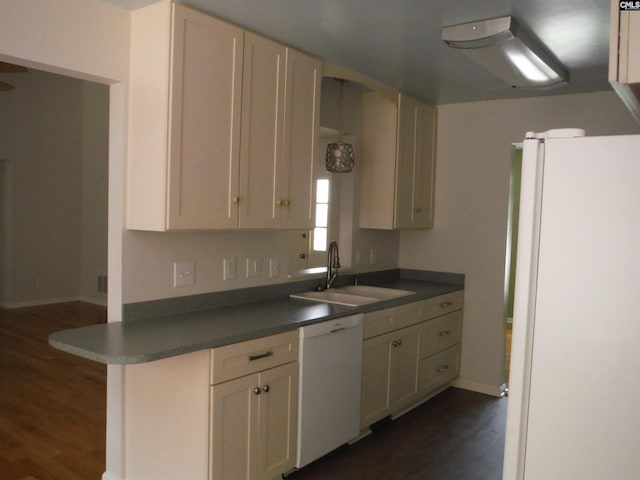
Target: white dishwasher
330,363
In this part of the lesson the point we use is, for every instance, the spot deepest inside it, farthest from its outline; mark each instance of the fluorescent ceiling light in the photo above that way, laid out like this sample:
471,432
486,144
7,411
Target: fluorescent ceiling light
503,49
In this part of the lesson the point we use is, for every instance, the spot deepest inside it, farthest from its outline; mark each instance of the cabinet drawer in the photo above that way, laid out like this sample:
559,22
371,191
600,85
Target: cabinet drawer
389,319
440,333
379,322
239,359
442,304
408,314
439,369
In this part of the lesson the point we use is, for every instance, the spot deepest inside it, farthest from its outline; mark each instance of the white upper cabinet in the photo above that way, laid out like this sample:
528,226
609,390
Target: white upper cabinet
206,79
262,120
302,120
398,167
223,125
624,60
280,108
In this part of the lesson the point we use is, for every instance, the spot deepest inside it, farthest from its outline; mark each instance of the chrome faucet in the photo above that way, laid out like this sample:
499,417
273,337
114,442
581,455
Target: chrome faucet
333,263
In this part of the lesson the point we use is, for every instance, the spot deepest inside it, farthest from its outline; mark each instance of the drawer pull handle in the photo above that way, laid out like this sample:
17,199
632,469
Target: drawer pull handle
443,368
337,329
444,333
256,390
262,355
445,304
266,389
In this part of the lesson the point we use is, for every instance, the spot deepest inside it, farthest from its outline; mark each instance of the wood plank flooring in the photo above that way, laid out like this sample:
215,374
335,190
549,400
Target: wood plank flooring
457,435
52,404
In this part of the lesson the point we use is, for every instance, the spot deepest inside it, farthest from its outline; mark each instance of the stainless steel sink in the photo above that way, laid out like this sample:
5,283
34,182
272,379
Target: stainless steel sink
353,295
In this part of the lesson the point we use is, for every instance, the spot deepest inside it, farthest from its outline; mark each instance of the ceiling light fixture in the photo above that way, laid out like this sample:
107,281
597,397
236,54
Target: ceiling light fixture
506,51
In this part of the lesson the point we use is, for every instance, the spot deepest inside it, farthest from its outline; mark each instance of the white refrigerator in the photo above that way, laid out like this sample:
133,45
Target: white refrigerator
574,389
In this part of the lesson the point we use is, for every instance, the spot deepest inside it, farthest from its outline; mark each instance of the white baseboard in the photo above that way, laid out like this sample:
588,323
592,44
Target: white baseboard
496,391
51,301
37,303
109,476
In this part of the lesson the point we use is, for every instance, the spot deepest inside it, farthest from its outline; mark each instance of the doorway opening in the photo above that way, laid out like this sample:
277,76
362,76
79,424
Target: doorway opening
54,194
511,250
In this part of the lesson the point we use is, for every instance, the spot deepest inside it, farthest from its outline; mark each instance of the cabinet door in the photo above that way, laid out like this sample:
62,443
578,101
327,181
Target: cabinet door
206,79
376,376
415,177
378,172
404,366
234,415
262,125
302,117
425,167
406,161
278,413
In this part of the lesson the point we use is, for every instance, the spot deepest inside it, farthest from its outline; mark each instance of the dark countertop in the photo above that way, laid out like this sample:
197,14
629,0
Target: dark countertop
152,339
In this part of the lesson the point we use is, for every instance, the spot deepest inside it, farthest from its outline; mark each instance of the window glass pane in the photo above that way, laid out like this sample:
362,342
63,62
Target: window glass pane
322,214
322,191
320,239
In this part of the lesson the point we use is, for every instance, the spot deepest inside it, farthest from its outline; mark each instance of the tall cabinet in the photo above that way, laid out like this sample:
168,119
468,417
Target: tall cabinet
224,125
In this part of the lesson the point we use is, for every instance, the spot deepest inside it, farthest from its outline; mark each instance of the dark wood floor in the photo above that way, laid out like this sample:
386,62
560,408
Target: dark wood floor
457,435
52,404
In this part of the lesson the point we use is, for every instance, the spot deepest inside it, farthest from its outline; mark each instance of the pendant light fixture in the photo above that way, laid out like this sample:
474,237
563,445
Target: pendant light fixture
340,157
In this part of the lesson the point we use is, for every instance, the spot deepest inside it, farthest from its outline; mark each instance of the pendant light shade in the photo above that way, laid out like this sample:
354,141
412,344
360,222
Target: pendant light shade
340,157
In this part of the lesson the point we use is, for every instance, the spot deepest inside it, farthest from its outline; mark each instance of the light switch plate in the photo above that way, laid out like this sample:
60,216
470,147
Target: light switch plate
254,268
274,267
183,274
229,268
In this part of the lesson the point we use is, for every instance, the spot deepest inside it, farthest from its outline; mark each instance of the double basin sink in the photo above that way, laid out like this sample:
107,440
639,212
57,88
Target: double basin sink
353,295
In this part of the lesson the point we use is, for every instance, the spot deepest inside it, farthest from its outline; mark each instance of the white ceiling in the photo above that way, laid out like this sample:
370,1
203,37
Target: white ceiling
398,42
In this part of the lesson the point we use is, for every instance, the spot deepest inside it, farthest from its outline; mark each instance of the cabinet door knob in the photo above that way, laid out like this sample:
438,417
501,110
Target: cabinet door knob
445,304
303,255
399,341
279,203
418,209
286,202
443,368
257,390
444,333
235,199
266,388
394,343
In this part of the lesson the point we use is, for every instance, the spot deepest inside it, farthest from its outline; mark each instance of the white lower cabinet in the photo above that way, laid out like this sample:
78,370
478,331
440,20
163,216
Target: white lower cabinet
390,374
254,416
409,353
253,425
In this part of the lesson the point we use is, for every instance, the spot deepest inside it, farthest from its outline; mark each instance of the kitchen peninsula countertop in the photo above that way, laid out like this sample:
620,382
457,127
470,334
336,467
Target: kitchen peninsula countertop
149,339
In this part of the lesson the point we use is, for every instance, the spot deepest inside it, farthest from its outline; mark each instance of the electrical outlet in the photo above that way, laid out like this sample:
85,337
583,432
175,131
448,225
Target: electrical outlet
274,267
183,274
229,268
254,268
